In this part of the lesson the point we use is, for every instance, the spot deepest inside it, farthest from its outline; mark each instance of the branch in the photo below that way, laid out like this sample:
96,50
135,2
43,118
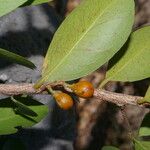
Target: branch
117,98
16,89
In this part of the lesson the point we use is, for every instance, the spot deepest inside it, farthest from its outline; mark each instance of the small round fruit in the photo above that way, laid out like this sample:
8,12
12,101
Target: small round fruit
83,89
63,100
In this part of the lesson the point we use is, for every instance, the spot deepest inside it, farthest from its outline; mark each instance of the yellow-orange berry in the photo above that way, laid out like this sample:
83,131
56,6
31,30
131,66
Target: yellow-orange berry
63,100
83,89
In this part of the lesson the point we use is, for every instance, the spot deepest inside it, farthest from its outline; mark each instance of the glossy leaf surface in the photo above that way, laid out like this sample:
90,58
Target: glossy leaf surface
87,39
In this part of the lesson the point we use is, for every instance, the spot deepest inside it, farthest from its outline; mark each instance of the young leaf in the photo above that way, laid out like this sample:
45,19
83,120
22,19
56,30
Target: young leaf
87,39
7,6
141,145
145,127
16,58
10,121
135,61
109,148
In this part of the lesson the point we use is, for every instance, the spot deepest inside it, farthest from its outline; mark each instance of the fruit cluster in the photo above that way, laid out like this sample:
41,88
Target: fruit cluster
83,89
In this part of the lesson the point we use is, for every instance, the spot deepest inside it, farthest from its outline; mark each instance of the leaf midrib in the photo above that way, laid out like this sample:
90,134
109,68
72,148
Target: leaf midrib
57,66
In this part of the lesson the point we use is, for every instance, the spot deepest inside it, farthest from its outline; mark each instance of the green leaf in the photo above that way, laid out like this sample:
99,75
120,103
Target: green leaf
10,121
36,2
142,145
7,6
144,131
16,58
134,60
87,39
146,98
20,108
109,148
145,127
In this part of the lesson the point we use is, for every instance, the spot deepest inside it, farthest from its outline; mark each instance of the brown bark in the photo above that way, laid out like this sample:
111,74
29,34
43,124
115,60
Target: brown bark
117,98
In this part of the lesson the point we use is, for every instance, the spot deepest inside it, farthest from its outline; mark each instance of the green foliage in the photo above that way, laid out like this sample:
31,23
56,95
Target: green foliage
109,148
141,145
20,108
87,39
10,121
37,2
144,131
132,62
16,58
146,98
7,6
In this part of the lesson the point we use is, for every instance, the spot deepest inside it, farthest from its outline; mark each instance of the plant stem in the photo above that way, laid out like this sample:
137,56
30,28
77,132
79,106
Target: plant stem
103,83
116,98
50,89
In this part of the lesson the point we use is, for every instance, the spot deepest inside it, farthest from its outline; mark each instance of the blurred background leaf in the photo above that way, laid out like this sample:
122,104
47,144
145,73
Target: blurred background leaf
10,121
141,145
16,58
22,109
